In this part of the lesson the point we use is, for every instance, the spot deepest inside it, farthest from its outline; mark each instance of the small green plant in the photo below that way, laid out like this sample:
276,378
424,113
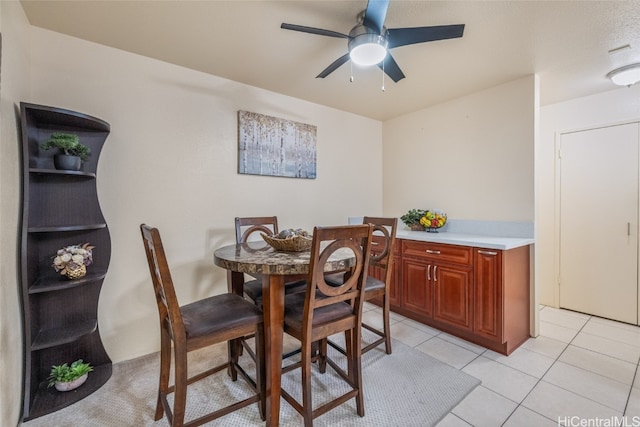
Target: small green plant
413,216
69,144
65,373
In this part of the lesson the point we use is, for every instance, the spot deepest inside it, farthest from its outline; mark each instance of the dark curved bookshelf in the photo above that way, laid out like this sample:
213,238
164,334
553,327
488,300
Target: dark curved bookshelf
60,316
54,283
61,228
62,172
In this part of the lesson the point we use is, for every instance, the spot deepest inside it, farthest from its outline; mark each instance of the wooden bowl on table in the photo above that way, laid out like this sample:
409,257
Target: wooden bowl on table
290,244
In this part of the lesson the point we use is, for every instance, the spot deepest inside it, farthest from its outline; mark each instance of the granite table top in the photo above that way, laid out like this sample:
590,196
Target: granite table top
259,257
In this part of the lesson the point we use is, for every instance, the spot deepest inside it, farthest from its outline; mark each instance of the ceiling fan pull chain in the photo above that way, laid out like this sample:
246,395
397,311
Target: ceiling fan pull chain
383,76
351,68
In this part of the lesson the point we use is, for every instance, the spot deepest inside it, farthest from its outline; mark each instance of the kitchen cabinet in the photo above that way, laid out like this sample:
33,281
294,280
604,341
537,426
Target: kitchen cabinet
501,303
439,282
60,208
478,294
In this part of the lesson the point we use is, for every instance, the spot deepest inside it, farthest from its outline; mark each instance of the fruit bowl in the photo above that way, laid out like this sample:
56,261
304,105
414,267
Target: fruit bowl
431,221
293,242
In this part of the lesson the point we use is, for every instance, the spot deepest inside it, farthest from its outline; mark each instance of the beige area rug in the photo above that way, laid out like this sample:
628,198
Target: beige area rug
406,388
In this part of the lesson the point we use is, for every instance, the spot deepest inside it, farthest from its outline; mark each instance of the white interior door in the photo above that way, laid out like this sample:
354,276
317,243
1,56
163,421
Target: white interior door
599,222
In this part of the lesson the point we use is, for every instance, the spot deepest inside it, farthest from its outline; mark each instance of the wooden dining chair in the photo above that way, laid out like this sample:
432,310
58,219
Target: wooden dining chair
249,228
220,318
378,279
324,310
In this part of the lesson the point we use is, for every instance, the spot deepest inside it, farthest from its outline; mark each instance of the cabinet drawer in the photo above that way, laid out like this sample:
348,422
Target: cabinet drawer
438,252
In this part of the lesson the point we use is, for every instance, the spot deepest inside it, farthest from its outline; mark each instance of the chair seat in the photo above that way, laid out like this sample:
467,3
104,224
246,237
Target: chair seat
219,313
294,309
253,289
372,283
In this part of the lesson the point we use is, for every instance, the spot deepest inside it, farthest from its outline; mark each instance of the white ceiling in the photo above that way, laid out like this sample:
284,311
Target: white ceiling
565,42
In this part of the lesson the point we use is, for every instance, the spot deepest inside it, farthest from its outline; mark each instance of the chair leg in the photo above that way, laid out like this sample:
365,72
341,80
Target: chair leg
349,342
165,368
385,319
261,375
307,407
233,351
322,360
357,373
180,393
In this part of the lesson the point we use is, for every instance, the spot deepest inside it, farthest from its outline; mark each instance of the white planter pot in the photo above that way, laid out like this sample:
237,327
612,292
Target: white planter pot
71,385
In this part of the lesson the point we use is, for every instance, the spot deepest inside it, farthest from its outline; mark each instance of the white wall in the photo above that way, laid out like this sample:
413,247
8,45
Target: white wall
170,161
611,107
14,86
471,157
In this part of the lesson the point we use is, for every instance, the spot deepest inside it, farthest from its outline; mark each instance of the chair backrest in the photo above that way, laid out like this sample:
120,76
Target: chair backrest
247,226
326,241
381,258
168,307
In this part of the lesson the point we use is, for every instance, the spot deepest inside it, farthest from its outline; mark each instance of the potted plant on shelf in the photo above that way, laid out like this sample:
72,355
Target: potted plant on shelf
73,153
412,219
66,378
72,261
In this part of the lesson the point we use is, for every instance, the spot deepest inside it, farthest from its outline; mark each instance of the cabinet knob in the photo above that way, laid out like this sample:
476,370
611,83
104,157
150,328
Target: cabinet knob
435,277
431,251
429,272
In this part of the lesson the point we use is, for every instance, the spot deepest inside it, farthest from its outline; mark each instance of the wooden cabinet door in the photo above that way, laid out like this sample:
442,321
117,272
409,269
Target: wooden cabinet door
452,295
416,289
488,300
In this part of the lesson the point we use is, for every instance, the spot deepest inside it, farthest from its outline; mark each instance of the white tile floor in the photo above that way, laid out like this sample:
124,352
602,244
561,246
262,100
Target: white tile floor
580,370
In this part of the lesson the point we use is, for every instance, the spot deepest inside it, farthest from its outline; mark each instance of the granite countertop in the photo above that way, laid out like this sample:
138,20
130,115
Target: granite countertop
465,239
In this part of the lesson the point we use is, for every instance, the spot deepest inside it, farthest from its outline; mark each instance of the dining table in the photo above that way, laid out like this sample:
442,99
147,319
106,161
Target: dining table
258,259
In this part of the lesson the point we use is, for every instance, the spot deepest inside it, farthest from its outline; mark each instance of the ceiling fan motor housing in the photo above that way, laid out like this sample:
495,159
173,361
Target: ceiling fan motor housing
366,46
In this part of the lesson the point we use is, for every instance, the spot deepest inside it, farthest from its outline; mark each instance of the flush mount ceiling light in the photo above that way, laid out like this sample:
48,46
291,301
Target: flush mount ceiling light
366,47
625,76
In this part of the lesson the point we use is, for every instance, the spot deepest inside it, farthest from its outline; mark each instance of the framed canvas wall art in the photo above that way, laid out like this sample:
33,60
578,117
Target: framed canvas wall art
271,146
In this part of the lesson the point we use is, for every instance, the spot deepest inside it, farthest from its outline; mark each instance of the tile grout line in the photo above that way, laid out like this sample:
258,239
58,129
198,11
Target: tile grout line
604,354
633,381
581,329
542,376
596,352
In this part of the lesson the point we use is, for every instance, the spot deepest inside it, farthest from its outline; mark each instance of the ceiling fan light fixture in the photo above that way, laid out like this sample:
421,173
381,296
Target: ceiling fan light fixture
367,49
625,76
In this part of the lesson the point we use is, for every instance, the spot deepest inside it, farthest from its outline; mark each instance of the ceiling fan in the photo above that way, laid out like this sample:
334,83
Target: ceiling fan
369,41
